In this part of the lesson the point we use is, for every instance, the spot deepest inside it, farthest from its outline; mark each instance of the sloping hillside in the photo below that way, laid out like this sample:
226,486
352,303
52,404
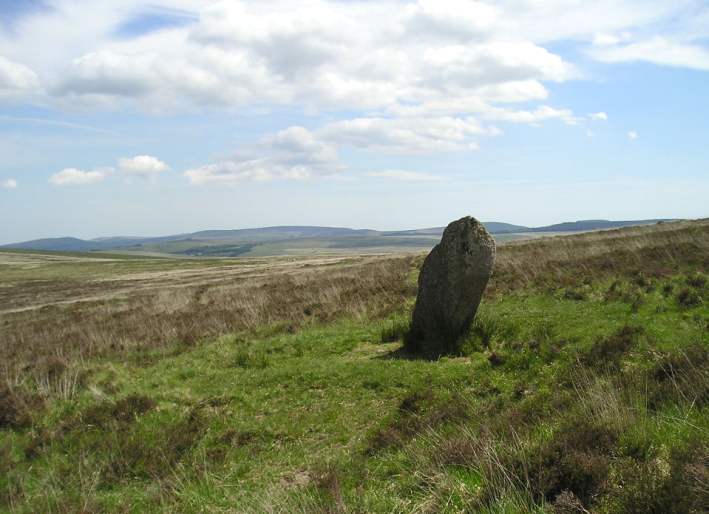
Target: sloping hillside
279,385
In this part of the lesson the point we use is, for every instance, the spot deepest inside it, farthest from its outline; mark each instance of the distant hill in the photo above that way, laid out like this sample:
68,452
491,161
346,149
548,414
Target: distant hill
244,234
584,225
72,244
494,227
285,232
295,239
60,244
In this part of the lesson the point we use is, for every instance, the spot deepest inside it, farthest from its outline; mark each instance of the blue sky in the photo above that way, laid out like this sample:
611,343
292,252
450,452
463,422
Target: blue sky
126,118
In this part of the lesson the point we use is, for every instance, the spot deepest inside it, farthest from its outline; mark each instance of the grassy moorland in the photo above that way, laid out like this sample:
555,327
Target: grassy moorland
281,385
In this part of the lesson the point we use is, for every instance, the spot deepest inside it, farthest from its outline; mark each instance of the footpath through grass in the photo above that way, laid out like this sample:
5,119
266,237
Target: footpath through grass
593,397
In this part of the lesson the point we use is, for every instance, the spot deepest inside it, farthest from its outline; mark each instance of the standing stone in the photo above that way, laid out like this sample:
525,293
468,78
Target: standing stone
451,285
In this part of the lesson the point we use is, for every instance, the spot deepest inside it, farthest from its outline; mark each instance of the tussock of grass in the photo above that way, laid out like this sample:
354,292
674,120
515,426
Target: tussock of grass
394,330
689,297
251,359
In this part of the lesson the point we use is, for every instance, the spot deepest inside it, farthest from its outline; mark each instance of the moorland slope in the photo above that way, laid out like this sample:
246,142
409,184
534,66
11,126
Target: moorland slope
280,385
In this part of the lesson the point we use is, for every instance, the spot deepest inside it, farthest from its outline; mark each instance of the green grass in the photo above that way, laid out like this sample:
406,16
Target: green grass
335,418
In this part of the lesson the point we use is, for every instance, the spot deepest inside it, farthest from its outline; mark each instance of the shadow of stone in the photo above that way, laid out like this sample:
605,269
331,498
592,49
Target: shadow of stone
404,354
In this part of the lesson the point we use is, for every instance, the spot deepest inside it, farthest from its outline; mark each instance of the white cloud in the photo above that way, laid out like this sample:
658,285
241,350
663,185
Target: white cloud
534,117
657,50
74,177
632,135
408,176
407,135
298,154
111,74
554,20
316,54
321,54
393,63
473,100
292,154
598,116
451,19
16,78
609,39
143,166
464,66
10,183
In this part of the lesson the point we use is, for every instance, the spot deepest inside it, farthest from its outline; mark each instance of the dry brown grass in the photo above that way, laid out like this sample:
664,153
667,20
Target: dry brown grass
656,250
153,310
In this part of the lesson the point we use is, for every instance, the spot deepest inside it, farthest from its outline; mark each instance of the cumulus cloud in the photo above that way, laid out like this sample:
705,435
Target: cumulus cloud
406,135
10,183
292,154
160,80
598,116
451,19
75,177
299,154
144,166
317,54
111,74
329,55
403,175
464,66
16,78
632,135
419,76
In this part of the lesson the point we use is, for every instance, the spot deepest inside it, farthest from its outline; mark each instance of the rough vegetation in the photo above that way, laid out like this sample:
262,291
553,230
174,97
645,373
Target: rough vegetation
56,312
582,386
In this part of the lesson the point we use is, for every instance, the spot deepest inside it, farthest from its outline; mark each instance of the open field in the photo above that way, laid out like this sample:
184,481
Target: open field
61,308
279,384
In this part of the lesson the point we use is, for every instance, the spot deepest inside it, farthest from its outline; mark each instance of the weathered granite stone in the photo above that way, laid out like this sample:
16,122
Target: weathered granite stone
451,285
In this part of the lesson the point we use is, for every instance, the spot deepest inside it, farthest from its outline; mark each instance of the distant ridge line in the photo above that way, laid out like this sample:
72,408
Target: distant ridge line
250,237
